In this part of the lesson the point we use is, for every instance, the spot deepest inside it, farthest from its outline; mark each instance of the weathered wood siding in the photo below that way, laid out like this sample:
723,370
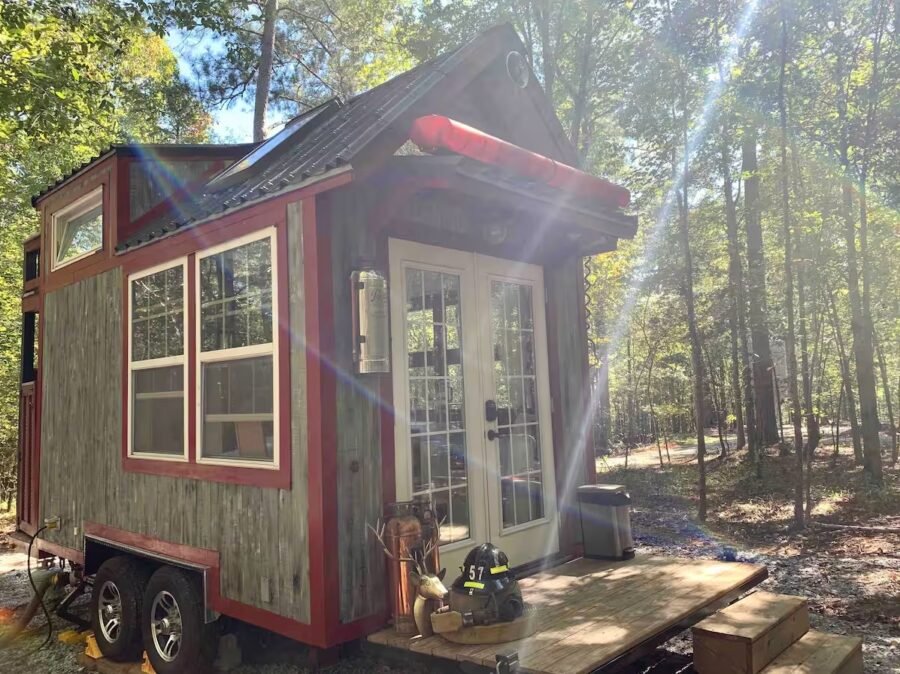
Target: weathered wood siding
359,488
567,336
260,533
151,181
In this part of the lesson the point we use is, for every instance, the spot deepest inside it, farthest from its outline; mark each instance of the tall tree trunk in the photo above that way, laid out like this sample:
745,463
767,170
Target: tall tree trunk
764,393
693,329
861,319
846,382
805,256
264,72
790,345
886,389
579,104
740,357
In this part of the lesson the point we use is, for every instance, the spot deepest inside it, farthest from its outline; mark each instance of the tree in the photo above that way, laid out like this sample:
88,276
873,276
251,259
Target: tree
799,512
76,79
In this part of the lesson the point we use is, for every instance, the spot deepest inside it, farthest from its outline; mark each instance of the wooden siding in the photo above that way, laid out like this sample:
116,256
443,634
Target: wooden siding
261,533
567,337
150,181
358,423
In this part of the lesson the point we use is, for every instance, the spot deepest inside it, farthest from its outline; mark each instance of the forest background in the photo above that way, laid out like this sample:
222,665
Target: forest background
760,140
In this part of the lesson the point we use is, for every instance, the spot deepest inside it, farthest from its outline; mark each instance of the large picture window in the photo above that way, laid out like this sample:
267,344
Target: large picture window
237,394
78,229
157,310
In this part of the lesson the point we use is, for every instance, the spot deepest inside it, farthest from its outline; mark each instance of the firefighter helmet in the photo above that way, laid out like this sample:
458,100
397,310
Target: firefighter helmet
487,589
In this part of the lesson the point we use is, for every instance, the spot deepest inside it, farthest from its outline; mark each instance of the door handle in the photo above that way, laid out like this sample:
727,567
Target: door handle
492,435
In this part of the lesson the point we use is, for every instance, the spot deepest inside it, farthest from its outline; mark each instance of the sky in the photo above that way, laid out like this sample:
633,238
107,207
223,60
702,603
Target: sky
232,124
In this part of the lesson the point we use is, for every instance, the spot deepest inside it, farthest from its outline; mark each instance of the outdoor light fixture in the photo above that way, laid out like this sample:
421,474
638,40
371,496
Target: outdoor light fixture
370,319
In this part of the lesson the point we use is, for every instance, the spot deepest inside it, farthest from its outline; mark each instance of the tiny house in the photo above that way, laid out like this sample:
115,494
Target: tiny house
235,356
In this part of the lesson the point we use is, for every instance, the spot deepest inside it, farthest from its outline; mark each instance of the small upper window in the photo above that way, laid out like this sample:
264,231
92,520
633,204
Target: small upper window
78,229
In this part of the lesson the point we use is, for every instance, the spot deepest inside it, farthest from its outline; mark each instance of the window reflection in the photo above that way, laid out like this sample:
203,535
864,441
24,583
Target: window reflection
436,399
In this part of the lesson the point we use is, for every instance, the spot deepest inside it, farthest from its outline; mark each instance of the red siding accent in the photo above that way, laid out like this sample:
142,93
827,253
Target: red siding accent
321,439
29,462
288,627
173,246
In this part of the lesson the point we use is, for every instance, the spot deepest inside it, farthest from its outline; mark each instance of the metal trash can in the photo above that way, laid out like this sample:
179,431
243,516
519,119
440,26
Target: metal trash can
605,511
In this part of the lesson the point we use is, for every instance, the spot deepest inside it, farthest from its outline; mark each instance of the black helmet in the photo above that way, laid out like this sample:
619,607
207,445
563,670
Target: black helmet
487,586
485,570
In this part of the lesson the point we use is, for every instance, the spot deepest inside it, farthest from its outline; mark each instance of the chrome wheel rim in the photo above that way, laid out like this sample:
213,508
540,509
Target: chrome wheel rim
109,609
165,626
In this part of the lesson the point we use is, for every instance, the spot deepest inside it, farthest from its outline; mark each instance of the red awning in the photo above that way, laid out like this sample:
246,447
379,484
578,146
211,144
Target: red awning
433,132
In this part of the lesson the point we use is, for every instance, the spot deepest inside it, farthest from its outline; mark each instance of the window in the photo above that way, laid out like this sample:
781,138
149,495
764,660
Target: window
157,310
78,229
237,392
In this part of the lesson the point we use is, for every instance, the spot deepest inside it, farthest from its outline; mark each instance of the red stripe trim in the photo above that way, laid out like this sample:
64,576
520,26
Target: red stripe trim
209,559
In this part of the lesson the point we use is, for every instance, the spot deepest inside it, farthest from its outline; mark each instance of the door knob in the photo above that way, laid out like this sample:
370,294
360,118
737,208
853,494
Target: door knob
492,435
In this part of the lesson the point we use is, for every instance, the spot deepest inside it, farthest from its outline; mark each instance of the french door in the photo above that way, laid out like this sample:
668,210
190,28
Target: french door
472,399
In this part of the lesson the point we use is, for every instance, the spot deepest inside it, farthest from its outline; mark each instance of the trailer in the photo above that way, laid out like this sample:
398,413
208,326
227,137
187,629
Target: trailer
235,356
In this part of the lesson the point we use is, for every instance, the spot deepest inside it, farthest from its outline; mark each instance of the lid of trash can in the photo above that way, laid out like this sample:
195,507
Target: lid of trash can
604,494
605,488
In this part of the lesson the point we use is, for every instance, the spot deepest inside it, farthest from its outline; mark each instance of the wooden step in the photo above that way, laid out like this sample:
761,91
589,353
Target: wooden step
820,653
746,636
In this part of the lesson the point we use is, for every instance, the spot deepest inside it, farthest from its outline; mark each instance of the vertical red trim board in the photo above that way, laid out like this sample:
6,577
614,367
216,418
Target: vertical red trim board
324,580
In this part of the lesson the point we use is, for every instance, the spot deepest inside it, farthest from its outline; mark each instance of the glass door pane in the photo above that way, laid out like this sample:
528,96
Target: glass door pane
436,415
515,389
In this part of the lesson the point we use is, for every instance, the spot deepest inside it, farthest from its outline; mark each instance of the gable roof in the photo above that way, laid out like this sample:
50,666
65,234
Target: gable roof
344,132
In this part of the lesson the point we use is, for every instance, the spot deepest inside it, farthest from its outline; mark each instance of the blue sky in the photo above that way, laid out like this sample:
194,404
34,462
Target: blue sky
232,124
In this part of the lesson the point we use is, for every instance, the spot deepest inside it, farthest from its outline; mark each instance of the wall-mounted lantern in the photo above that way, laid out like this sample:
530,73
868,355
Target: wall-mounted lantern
371,321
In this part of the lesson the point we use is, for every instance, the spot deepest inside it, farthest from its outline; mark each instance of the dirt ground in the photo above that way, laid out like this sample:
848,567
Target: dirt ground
851,579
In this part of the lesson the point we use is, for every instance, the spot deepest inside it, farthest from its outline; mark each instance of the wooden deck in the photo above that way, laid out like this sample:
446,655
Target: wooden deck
594,614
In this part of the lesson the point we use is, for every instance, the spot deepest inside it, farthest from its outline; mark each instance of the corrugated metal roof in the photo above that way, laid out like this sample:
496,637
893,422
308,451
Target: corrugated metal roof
331,144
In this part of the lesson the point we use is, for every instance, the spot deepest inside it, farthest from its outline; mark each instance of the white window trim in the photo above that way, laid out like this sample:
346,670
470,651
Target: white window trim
237,354
78,207
151,363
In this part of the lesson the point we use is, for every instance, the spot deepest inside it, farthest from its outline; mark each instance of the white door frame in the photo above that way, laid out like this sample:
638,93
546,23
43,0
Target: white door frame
475,273
518,541
402,255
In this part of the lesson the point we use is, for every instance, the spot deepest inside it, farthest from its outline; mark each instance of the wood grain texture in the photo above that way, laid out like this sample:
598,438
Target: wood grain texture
589,612
359,493
567,337
261,533
746,636
820,653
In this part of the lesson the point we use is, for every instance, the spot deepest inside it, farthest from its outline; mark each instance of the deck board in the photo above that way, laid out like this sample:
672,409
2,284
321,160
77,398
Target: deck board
591,612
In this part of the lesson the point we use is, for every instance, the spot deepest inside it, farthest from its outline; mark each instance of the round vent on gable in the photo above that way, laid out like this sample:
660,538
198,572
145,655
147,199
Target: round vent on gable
517,69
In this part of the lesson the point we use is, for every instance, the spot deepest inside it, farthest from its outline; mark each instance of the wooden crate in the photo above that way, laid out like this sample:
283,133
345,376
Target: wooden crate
746,636
820,653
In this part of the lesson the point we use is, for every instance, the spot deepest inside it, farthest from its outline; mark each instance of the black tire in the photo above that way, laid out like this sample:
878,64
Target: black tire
127,577
196,644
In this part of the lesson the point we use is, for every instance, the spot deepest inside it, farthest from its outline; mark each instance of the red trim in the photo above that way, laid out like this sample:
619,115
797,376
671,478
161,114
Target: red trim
433,132
261,477
44,548
320,423
181,243
210,559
